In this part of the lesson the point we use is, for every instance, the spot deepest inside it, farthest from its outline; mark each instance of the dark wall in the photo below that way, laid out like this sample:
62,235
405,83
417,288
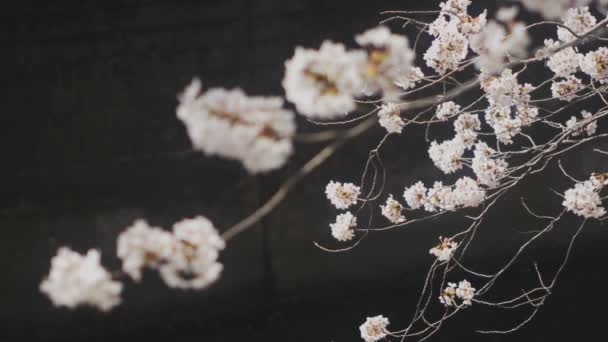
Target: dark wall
91,143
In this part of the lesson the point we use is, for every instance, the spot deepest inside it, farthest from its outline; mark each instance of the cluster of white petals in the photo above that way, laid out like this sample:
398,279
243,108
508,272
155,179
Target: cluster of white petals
599,180
584,200
465,292
440,197
445,249
342,195
446,110
452,30
374,328
566,89
447,51
504,93
323,83
564,62
186,258
142,246
193,264
390,118
415,195
447,155
454,17
465,193
595,64
573,123
466,126
499,40
462,291
579,20
487,167
389,62
76,279
342,229
255,130
392,210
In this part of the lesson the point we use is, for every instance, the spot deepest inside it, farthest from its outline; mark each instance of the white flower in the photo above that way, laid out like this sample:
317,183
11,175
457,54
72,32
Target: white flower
456,7
467,193
142,246
566,89
584,200
459,20
488,169
390,118
579,20
193,265
467,137
447,51
599,180
465,292
323,83
506,129
342,195
467,122
595,64
503,93
445,249
392,210
342,229
389,60
448,295
526,113
415,196
504,90
77,279
447,110
409,80
374,328
440,197
447,155
589,128
256,130
563,62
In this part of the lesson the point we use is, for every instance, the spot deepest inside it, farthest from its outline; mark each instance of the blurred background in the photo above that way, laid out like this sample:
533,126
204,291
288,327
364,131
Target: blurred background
91,143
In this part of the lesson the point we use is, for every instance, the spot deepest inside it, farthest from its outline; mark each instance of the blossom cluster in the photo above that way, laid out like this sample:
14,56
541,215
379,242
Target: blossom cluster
343,196
463,291
464,193
392,210
574,124
452,30
390,118
257,131
445,249
325,83
504,93
185,258
488,167
76,279
342,229
584,199
374,328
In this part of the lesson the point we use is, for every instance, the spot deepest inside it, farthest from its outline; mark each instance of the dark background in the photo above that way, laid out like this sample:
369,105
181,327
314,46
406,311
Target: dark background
91,143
